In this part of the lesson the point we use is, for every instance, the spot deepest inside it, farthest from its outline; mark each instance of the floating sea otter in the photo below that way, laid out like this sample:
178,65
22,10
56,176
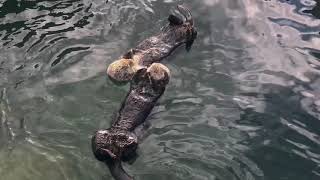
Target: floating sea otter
119,142
155,48
148,82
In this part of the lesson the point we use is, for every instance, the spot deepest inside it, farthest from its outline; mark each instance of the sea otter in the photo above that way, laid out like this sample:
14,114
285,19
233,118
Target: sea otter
155,48
119,142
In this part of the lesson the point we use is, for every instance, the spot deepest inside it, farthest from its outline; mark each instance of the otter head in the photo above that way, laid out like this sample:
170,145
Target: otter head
111,144
159,75
122,70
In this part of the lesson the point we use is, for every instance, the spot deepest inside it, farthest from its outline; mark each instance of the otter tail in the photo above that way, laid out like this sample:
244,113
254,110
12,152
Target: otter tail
117,171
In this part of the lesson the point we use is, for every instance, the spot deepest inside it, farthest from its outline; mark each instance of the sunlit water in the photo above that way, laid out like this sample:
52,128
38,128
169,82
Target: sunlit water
244,104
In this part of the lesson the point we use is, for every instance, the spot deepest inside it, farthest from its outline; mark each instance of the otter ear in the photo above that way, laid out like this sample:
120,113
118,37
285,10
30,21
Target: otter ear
174,20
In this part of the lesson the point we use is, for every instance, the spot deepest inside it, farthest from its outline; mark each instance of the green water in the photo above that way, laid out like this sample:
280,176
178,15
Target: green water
244,104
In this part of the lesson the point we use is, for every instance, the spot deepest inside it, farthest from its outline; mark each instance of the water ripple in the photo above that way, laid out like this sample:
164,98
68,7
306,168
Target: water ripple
243,104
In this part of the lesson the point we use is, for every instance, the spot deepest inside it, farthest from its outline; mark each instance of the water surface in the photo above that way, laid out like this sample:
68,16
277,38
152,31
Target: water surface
244,104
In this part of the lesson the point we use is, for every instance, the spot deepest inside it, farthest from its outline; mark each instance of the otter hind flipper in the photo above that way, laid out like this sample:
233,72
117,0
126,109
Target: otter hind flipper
186,13
189,45
174,20
191,36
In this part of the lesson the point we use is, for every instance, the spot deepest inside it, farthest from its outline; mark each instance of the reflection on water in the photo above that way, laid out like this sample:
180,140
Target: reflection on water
243,104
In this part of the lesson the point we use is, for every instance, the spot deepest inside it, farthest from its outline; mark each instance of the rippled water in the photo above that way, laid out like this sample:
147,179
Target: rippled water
244,104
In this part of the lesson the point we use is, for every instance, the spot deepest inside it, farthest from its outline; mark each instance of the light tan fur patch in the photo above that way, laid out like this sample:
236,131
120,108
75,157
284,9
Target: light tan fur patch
121,70
159,72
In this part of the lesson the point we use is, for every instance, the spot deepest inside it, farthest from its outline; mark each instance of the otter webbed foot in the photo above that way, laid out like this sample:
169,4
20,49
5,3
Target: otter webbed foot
174,20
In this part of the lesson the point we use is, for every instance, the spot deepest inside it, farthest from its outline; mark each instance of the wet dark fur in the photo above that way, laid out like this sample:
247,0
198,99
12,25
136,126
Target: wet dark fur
118,143
113,145
175,34
139,102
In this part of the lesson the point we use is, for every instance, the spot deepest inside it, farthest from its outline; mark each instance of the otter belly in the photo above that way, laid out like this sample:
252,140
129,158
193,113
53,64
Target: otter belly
135,111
